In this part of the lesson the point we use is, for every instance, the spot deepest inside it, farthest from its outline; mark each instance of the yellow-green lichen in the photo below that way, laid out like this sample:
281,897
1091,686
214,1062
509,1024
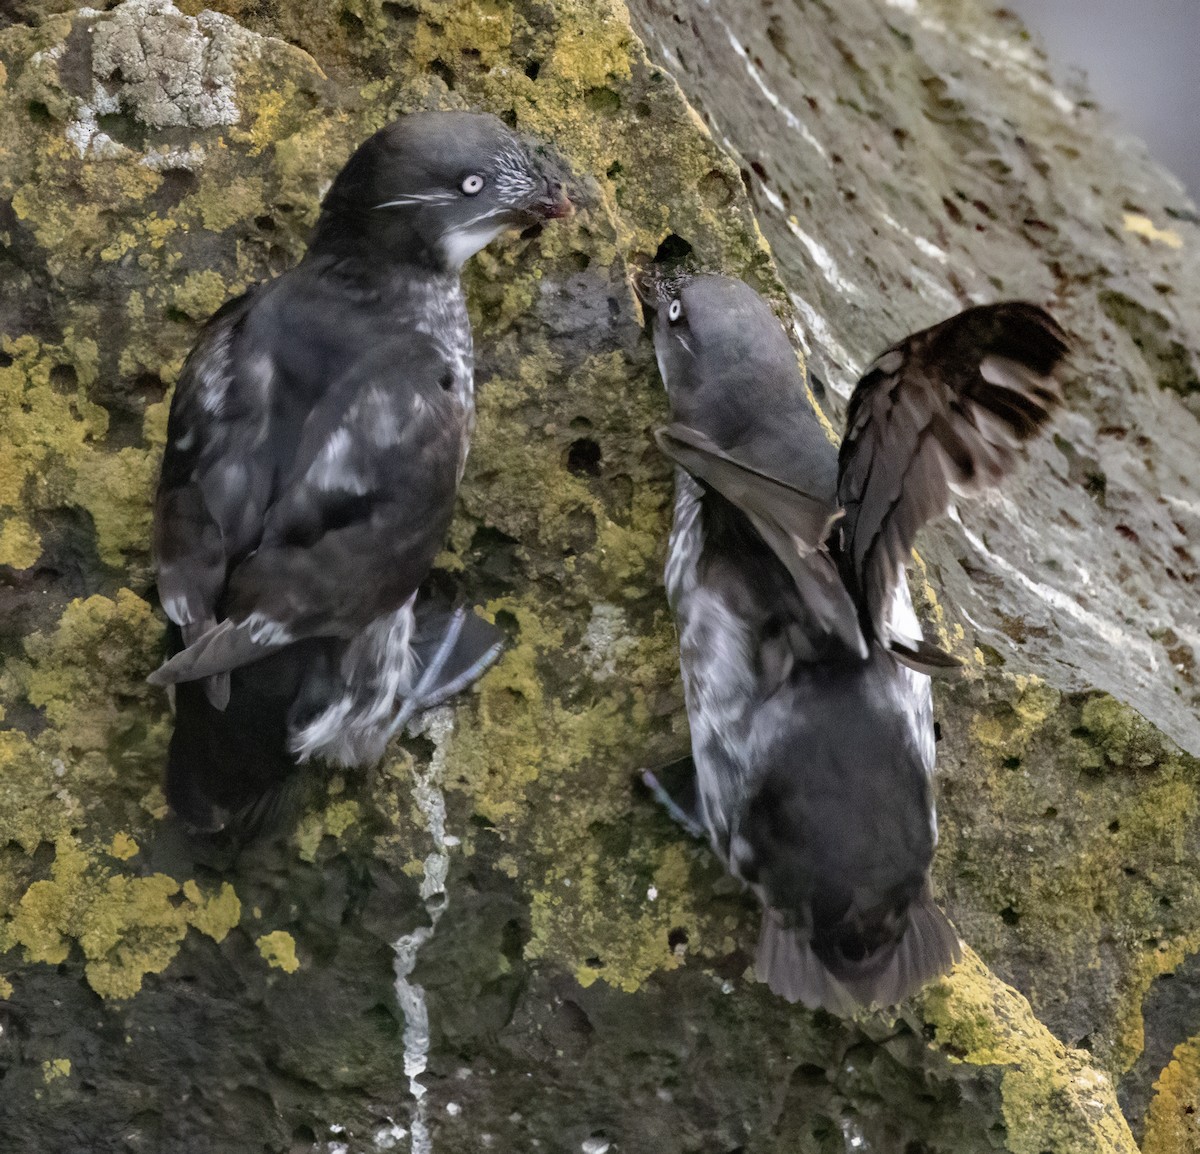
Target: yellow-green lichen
1122,737
122,846
949,635
1052,1098
85,673
55,1068
200,294
332,821
115,488
215,914
1173,1120
278,950
33,805
20,545
612,923
85,206
1007,731
126,927
87,676
1144,227
614,550
1129,1027
47,427
51,451
1098,810
604,899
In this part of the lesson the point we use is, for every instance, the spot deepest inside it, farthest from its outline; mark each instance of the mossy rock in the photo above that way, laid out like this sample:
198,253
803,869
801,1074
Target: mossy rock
584,967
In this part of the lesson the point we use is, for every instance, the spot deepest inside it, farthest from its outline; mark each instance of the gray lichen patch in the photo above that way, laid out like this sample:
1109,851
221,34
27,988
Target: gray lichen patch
166,69
606,641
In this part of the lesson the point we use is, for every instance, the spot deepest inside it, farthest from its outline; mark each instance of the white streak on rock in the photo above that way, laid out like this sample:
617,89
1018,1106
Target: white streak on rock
932,290
1022,63
790,118
773,198
1104,629
930,249
427,793
824,261
821,333
388,1136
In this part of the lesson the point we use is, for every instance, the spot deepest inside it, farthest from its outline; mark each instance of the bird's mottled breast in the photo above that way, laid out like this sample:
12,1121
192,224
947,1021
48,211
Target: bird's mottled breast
686,541
439,311
716,662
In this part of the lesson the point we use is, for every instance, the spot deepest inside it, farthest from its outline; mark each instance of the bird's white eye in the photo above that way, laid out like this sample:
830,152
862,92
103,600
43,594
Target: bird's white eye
674,310
472,184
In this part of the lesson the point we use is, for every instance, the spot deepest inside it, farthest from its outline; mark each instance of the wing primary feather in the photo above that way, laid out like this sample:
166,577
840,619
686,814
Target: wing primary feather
224,647
945,407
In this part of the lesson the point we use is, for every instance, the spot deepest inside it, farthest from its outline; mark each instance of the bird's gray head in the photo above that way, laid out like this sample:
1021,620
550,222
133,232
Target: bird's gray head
725,360
433,188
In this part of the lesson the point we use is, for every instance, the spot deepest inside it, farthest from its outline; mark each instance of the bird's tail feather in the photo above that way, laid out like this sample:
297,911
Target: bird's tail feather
788,963
230,769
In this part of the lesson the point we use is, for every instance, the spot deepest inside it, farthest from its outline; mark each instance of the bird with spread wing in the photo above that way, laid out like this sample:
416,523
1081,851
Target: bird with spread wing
804,670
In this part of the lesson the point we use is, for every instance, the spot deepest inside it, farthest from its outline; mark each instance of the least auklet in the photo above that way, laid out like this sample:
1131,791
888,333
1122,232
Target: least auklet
805,676
317,438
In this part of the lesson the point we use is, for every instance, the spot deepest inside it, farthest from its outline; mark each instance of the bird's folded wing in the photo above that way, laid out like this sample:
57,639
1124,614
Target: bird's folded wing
947,407
205,497
358,521
793,523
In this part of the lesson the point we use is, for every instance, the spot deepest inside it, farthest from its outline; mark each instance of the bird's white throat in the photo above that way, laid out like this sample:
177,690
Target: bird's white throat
460,244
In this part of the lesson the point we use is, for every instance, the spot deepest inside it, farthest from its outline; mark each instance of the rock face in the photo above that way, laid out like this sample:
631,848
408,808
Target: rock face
495,941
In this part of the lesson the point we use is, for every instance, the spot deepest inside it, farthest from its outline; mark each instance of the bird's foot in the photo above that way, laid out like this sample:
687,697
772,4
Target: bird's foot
682,805
430,691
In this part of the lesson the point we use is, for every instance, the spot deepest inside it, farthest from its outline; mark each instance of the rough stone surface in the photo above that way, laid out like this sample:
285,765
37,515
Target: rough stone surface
495,941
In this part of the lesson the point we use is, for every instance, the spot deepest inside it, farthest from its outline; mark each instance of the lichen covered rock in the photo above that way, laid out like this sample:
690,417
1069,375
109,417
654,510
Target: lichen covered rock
497,911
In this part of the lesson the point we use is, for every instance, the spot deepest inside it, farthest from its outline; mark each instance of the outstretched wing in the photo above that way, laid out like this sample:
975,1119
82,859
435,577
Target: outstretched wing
358,517
793,523
948,406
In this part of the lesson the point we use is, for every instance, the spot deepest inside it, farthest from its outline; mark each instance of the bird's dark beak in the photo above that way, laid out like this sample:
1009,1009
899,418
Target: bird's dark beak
553,204
645,284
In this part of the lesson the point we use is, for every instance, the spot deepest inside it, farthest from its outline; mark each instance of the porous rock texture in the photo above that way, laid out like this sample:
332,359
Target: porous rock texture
495,941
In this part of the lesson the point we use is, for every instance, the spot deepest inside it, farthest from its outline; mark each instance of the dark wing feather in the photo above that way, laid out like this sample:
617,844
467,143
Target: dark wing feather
793,523
948,406
203,502
364,508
